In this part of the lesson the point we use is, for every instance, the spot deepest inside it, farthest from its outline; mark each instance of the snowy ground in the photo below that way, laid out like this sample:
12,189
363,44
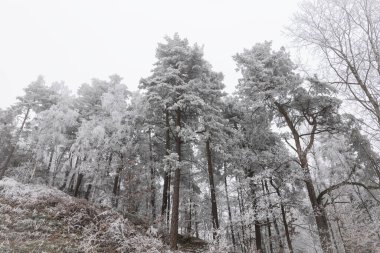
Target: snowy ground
36,218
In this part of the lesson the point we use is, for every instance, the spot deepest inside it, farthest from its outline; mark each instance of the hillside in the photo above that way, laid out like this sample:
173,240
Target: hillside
37,218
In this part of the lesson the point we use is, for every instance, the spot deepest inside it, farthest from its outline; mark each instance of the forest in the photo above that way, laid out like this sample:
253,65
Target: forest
288,162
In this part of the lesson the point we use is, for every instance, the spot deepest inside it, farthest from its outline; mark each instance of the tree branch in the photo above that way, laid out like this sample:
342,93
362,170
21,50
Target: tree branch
337,186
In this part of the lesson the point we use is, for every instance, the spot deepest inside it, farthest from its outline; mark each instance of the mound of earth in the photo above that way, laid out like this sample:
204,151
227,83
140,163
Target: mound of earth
37,218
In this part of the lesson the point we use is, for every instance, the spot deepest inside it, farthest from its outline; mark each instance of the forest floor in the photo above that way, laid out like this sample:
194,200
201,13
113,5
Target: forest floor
36,218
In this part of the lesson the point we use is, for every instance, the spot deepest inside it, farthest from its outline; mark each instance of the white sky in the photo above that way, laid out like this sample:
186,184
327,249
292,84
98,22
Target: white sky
76,40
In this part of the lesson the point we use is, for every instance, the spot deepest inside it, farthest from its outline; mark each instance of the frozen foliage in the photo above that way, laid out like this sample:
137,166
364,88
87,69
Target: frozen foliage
29,193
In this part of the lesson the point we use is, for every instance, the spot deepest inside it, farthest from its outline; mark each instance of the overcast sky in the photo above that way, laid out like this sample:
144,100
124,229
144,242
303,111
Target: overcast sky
76,40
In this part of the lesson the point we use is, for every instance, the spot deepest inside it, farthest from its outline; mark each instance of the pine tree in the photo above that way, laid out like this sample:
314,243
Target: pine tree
38,97
305,108
179,82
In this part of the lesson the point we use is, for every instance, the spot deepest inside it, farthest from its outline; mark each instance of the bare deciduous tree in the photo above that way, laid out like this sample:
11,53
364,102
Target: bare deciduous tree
347,33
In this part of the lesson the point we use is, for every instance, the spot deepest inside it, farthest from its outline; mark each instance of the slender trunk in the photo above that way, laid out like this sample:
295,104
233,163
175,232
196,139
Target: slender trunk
115,183
169,200
79,178
196,223
60,159
67,173
50,160
276,228
267,218
5,164
339,226
109,159
70,188
333,236
50,174
34,169
58,163
280,244
229,209
116,186
77,186
214,207
165,190
258,237
177,175
188,218
189,212
269,235
71,183
165,194
88,192
320,216
152,178
241,210
283,214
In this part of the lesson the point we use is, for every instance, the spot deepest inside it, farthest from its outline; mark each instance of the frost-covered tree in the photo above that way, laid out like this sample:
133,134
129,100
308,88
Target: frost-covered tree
7,126
54,131
38,97
305,107
101,146
180,82
256,160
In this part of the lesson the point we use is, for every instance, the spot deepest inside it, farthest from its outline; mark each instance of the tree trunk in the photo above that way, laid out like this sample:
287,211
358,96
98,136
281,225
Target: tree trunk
169,198
190,210
109,159
88,192
165,194
283,214
67,173
50,178
229,209
177,175
165,190
287,234
241,210
58,163
116,186
196,223
280,244
50,160
152,178
267,219
333,236
320,216
214,207
77,186
269,235
188,219
258,237
337,220
5,164
70,188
